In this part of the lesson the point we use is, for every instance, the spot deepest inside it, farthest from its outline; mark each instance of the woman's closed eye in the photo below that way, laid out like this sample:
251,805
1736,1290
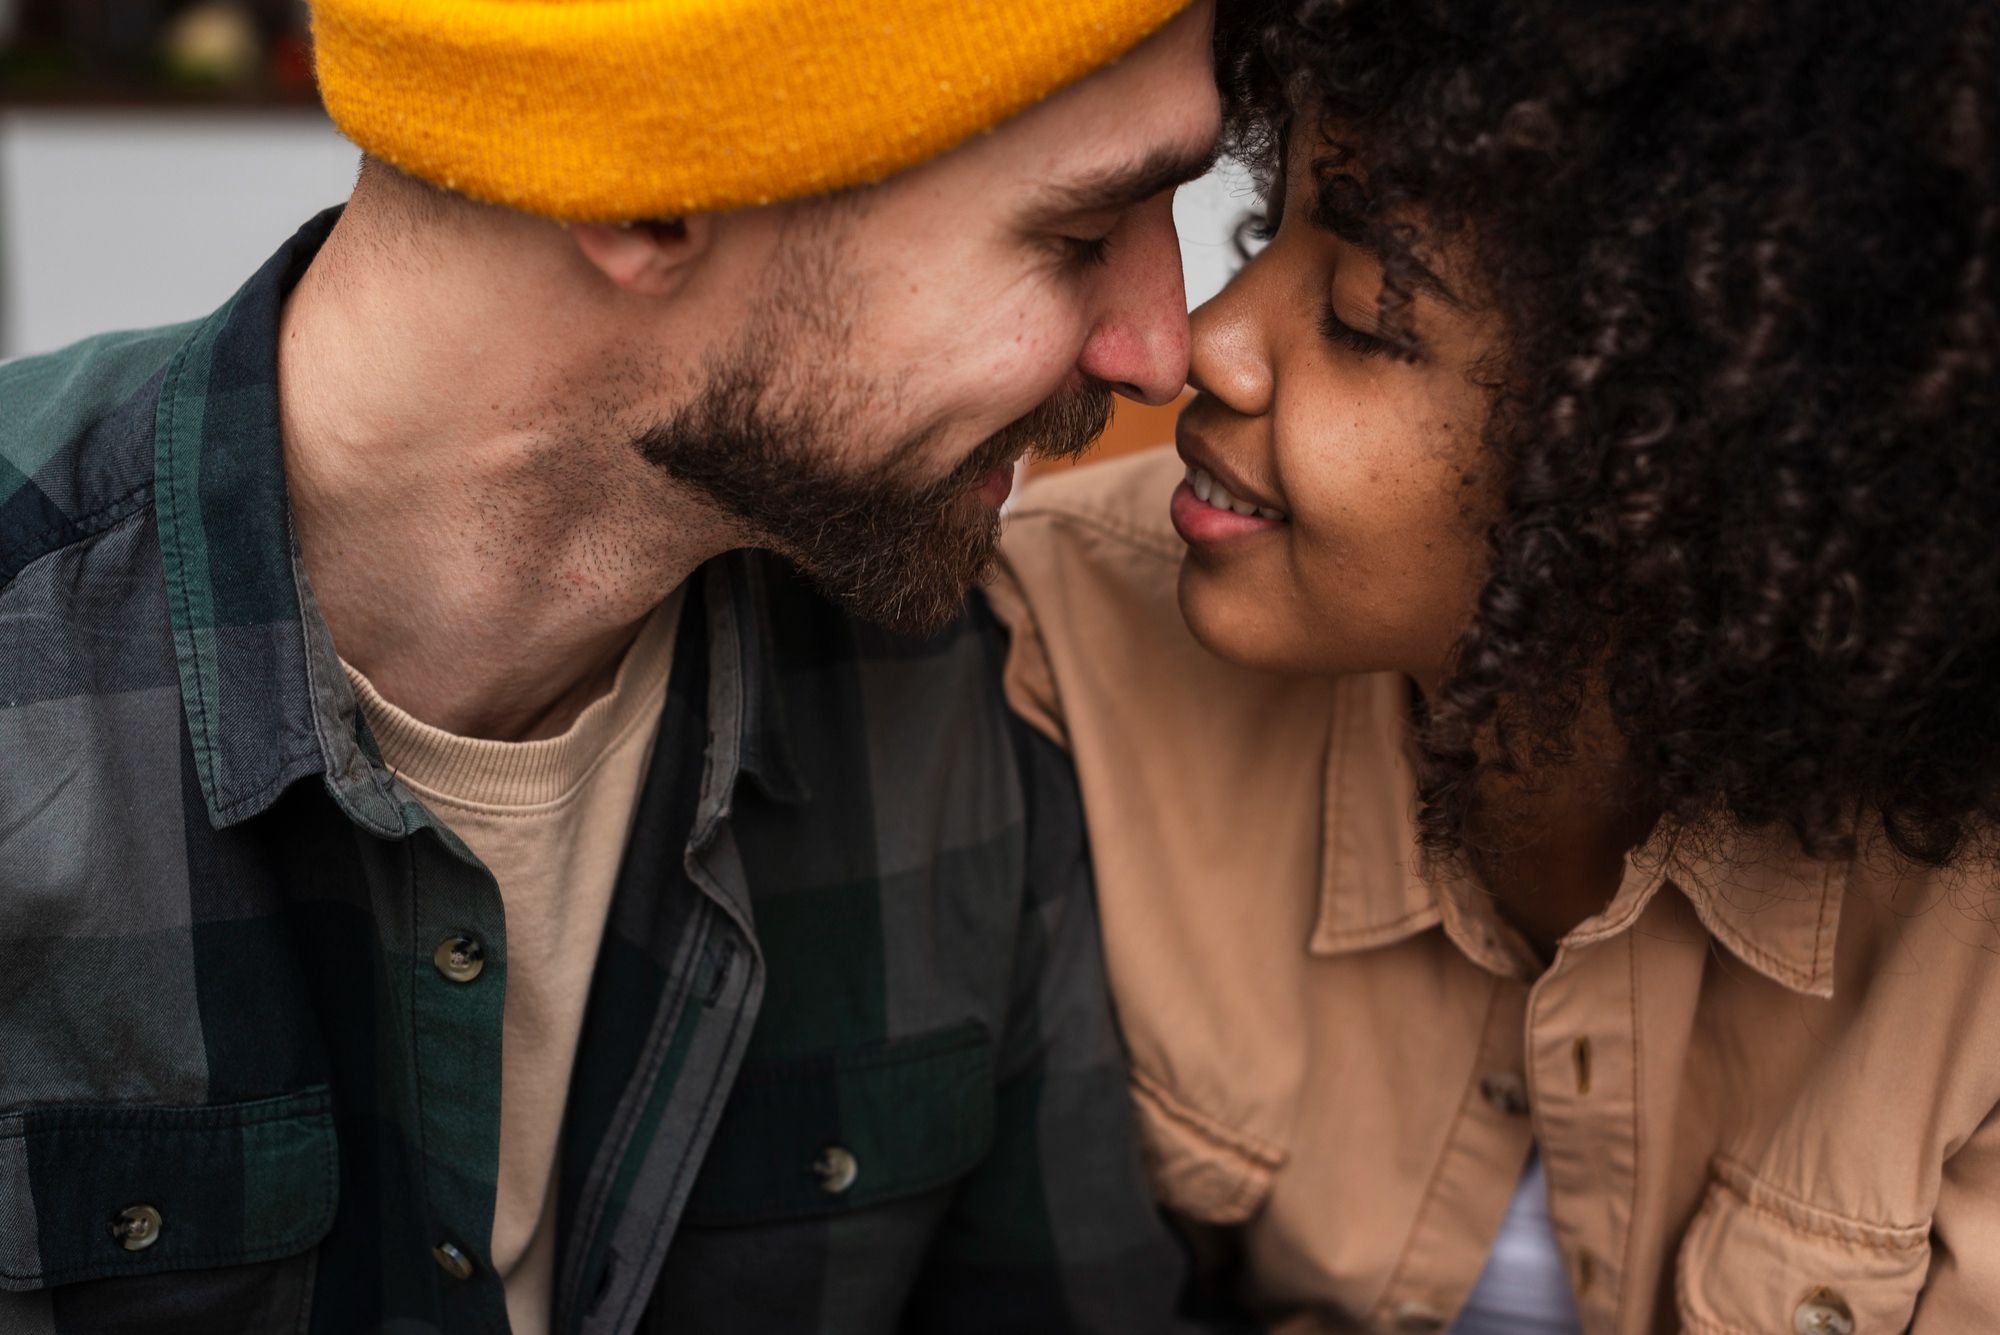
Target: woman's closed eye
1343,335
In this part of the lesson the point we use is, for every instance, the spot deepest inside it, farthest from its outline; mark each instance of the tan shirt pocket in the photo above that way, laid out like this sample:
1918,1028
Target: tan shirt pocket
1758,1261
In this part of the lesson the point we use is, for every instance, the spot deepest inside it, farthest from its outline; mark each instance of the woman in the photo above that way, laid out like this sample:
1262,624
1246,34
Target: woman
1548,876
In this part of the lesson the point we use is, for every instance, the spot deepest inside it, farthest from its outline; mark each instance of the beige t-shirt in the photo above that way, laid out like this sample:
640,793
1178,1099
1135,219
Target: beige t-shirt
549,819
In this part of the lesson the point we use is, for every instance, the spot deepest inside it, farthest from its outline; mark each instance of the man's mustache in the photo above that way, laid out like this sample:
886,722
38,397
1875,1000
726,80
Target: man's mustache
1060,427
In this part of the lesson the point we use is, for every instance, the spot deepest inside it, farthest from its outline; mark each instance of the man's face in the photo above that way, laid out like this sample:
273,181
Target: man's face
905,344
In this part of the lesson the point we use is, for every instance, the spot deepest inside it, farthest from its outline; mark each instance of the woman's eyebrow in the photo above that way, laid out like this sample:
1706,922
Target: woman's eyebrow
1328,215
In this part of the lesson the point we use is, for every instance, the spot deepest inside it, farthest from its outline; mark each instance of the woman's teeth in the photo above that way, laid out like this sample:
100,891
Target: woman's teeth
1210,492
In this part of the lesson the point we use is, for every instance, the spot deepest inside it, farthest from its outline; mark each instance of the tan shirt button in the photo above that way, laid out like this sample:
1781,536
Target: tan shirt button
1506,1092
459,958
452,1261
1823,1312
1417,1319
136,1228
836,1169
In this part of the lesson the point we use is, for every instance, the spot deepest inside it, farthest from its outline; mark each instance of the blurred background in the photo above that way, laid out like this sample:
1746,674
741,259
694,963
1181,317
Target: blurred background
153,152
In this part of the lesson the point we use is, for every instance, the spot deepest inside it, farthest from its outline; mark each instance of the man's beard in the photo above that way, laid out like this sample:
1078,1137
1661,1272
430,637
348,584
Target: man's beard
883,542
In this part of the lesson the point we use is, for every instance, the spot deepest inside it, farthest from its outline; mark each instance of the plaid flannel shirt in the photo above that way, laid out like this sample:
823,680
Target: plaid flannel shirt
848,1062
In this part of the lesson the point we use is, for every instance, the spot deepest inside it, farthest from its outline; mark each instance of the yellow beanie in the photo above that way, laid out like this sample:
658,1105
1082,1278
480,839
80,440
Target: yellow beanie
611,110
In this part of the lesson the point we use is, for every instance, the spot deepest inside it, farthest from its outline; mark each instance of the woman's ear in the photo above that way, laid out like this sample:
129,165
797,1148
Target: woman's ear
647,259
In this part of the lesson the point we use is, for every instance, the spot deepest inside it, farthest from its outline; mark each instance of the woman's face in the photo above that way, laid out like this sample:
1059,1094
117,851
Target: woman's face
1370,498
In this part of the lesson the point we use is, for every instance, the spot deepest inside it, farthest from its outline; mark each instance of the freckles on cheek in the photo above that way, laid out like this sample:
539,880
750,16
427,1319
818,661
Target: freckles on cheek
1023,335
1373,542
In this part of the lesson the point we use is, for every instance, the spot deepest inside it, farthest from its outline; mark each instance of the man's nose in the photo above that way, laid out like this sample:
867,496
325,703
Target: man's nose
1139,344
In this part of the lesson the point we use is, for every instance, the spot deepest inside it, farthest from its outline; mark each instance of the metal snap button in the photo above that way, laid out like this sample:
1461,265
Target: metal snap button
459,958
136,1227
1417,1319
836,1169
1506,1092
452,1261
1823,1312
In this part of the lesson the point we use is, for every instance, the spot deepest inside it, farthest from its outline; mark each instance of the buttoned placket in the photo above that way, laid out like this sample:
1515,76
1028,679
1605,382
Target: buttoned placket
1555,1071
1590,1018
1580,1049
1479,1167
450,920
717,992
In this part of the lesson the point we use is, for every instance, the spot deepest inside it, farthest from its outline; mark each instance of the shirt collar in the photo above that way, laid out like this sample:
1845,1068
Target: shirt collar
226,546
1759,894
266,699
746,699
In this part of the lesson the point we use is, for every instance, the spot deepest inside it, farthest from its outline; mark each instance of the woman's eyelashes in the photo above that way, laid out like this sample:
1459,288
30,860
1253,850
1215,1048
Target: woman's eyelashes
1345,336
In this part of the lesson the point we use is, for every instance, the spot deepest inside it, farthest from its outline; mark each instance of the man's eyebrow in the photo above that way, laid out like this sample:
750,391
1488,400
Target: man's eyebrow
1127,184
1327,215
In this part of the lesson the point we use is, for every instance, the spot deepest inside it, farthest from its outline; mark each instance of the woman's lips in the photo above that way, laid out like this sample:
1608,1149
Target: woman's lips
1203,511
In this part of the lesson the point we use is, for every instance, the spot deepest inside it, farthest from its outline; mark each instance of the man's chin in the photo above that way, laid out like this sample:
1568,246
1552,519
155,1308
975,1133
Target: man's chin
918,590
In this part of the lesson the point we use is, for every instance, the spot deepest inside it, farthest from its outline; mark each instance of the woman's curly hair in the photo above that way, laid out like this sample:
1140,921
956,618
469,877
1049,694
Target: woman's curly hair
1747,412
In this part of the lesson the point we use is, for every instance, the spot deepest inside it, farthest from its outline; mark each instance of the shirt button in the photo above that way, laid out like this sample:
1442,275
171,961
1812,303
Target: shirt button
459,958
1417,1319
1507,1092
836,1169
136,1228
452,1261
1823,1312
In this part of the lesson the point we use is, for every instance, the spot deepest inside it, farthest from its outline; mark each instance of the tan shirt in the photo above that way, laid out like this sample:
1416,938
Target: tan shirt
1763,1087
549,819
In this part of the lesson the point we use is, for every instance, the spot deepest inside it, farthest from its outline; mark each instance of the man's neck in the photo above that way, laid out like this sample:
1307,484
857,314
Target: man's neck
478,559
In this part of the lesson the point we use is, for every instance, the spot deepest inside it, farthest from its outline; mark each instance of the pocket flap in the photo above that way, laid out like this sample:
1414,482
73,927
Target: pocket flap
1756,1260
843,1130
1198,1166
94,1192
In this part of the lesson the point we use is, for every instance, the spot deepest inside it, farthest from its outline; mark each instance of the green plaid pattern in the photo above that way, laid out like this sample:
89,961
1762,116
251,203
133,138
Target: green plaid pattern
853,930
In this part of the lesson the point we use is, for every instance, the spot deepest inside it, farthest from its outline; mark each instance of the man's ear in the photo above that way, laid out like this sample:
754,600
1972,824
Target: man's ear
648,259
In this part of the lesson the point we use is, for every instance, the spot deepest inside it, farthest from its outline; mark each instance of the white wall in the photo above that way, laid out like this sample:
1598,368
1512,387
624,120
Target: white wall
1207,212
118,220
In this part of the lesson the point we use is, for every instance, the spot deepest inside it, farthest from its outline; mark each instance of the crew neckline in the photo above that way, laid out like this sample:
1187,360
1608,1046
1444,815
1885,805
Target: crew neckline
490,774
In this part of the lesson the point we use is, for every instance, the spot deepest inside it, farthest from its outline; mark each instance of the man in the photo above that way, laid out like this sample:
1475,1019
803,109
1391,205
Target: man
445,882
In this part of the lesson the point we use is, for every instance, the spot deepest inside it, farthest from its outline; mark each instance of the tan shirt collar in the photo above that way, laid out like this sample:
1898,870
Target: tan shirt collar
1774,907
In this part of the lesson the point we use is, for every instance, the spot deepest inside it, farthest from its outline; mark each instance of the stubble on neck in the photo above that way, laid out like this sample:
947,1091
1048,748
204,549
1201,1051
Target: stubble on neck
481,548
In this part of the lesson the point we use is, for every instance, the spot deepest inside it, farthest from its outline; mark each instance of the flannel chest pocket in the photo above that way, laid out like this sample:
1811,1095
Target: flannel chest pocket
831,1132
165,1219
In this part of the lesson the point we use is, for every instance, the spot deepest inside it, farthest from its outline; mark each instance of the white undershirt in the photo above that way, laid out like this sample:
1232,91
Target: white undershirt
1524,1289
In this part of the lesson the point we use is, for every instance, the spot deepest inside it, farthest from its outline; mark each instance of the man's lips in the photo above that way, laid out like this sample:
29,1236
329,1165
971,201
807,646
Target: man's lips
994,489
